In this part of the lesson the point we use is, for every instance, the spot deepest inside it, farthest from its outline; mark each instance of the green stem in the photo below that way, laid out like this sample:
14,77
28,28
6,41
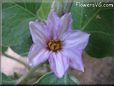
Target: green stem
42,77
27,66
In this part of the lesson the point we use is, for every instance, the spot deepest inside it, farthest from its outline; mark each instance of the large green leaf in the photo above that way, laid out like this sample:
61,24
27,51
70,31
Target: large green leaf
6,80
98,21
15,19
51,79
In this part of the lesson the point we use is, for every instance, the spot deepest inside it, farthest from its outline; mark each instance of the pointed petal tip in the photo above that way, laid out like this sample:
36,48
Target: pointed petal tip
85,33
82,69
88,34
31,22
59,75
29,63
69,13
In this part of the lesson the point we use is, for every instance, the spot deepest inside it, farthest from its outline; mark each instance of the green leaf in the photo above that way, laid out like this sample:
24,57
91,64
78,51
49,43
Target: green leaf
15,19
50,78
98,21
6,80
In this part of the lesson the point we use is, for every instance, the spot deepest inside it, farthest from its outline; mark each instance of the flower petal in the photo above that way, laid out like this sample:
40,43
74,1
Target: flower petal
57,25
58,63
65,24
75,58
53,23
35,48
76,39
37,55
38,31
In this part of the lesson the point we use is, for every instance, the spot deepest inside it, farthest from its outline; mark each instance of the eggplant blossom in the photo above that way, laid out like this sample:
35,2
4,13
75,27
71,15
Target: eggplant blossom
55,40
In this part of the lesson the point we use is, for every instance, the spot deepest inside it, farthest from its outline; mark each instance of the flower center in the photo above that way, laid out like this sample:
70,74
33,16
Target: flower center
54,45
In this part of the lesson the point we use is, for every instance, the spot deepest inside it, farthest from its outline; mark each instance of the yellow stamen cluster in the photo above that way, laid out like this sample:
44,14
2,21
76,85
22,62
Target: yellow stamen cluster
54,45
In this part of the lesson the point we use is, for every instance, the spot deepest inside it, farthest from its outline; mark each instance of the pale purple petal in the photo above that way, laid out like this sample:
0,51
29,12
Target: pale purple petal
75,58
65,24
38,31
53,24
57,25
76,39
34,50
58,63
37,55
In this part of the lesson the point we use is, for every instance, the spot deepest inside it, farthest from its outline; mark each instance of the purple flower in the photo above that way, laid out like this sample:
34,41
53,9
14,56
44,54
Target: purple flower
56,41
